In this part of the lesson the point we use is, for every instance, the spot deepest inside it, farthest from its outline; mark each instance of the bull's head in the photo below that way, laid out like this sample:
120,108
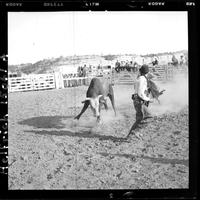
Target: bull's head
95,103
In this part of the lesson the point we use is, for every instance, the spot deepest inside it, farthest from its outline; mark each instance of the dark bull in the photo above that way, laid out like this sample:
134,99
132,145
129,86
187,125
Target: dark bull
95,97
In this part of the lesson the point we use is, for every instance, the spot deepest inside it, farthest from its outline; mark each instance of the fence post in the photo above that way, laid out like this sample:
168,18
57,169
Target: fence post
59,80
113,77
32,77
166,72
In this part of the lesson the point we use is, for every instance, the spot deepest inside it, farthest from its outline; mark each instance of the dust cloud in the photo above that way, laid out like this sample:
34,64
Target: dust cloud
174,98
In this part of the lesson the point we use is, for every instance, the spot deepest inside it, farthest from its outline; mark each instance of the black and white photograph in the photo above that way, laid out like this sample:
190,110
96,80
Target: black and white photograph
98,100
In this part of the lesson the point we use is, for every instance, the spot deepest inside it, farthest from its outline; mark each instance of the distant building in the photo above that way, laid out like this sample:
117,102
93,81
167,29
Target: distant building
68,69
139,60
164,59
125,58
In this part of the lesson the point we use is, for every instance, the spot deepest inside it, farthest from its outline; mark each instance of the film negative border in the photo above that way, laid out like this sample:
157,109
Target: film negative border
3,122
3,102
76,5
3,117
96,5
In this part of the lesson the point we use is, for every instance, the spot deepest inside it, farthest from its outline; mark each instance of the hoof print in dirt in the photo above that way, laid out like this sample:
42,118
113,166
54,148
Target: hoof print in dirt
49,176
177,132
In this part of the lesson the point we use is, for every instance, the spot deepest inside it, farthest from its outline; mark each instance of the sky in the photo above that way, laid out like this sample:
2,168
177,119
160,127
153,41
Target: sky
34,36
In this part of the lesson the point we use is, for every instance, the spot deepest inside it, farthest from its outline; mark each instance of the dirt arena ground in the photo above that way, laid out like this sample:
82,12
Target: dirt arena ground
48,149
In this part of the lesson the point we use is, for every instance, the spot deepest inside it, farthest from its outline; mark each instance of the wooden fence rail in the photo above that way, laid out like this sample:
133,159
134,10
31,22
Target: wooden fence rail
163,72
78,81
56,80
36,82
45,81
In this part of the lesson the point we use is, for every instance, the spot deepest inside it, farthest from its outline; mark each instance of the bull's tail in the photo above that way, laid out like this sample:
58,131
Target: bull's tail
111,97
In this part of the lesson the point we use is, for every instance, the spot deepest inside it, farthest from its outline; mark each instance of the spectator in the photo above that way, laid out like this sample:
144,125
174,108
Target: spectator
182,60
131,65
174,60
79,71
84,71
135,67
155,62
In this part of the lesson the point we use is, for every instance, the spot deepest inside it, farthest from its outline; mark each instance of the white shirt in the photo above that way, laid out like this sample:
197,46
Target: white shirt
141,88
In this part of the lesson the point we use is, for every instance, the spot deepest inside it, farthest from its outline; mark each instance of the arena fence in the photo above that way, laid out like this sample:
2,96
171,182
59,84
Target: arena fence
161,73
33,82
58,81
77,81
45,81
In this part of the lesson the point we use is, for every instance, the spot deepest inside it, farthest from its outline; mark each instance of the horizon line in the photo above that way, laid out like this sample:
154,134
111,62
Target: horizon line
101,54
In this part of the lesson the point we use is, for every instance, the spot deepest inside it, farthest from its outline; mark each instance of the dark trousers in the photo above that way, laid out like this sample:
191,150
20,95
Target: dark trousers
141,109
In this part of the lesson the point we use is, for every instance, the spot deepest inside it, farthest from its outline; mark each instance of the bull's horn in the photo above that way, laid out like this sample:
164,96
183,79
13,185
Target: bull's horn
99,96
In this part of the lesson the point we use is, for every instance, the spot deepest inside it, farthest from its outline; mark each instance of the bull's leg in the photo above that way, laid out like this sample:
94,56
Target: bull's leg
103,102
98,119
105,105
86,104
111,97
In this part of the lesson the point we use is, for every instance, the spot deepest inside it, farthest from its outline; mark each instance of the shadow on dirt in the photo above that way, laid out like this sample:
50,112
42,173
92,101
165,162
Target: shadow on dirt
46,121
80,134
152,159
